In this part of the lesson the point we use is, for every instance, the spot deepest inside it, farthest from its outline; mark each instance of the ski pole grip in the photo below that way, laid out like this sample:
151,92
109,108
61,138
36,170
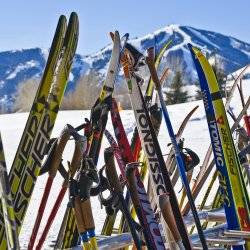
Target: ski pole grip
111,170
57,154
80,147
88,218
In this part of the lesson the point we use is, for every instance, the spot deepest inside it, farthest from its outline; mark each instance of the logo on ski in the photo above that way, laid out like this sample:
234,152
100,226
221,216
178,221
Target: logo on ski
150,150
220,120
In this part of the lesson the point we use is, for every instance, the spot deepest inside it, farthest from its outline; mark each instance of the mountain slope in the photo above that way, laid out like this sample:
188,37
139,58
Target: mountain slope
232,54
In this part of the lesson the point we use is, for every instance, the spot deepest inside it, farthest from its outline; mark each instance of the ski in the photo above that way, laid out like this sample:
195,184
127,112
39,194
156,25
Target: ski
7,205
21,180
207,167
235,198
157,169
242,154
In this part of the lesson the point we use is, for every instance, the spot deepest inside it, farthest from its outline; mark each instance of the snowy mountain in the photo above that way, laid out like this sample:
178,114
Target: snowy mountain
19,65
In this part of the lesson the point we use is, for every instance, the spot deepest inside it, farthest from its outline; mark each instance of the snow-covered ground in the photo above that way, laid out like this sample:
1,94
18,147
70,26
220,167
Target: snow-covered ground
11,127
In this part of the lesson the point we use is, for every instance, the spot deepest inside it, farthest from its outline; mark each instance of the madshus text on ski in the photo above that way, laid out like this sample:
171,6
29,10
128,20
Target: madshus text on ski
137,185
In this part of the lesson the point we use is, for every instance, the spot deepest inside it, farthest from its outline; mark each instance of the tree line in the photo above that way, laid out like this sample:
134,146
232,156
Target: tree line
88,88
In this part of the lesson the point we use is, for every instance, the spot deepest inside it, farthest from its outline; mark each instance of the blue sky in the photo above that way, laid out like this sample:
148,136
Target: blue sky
27,24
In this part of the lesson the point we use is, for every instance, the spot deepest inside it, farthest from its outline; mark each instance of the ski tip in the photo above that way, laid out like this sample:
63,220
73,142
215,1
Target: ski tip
74,19
73,15
115,36
112,35
62,19
196,107
126,36
190,46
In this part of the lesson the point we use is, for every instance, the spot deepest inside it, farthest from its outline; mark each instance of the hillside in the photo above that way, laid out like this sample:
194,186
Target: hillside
17,66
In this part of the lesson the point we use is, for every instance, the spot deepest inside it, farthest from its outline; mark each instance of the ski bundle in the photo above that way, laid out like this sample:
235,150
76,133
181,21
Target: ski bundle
141,183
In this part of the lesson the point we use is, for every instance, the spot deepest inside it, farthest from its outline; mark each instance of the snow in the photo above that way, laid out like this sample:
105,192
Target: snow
71,77
21,67
246,52
202,37
235,44
1,84
186,38
196,137
45,53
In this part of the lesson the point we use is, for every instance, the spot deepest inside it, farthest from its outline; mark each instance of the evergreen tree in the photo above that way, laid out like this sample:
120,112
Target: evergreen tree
219,72
198,94
176,94
221,78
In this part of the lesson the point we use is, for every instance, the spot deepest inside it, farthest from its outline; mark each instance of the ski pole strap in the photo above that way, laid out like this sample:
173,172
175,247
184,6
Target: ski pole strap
54,158
102,185
86,175
190,158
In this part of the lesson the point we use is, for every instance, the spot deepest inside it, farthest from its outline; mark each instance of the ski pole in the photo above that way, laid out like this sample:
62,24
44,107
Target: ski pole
80,145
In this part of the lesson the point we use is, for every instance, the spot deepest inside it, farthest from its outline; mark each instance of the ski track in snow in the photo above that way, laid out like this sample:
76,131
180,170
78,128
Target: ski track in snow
196,137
